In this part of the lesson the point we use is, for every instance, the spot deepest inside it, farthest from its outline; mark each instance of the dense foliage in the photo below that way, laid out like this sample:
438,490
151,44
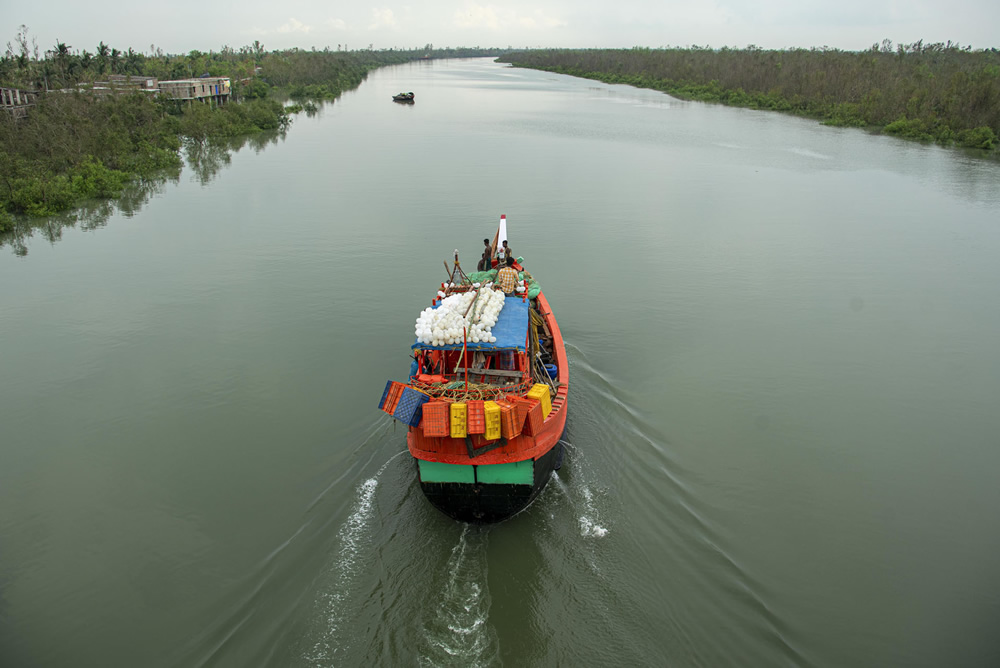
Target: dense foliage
940,92
76,144
27,66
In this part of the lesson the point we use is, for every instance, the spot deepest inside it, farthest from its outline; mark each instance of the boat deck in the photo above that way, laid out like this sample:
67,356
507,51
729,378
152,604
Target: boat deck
520,448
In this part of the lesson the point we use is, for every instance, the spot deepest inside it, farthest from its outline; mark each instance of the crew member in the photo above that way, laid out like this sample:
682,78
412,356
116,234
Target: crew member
505,252
485,262
506,277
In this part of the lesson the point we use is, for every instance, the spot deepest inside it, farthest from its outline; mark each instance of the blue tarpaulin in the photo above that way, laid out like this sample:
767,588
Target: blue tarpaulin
511,329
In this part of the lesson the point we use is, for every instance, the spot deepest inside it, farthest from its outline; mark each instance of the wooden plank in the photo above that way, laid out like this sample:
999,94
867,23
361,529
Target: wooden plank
545,328
491,372
474,451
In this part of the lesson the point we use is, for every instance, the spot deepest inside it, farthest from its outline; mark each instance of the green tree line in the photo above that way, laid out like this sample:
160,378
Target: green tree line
26,66
76,144
941,91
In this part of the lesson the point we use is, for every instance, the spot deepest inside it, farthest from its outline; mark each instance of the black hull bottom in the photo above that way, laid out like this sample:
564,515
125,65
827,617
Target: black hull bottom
479,503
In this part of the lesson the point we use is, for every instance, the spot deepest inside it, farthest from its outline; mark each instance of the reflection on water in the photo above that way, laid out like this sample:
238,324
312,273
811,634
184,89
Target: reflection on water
205,158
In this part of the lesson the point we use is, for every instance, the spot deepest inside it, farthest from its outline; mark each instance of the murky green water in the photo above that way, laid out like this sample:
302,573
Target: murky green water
783,410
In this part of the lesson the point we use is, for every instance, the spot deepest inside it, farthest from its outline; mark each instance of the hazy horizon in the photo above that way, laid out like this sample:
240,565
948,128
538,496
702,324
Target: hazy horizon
185,25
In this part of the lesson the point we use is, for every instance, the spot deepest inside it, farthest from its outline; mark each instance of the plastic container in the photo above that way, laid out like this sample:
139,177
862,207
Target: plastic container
385,393
435,419
540,392
522,409
390,396
510,424
552,370
458,420
533,416
408,408
491,411
476,417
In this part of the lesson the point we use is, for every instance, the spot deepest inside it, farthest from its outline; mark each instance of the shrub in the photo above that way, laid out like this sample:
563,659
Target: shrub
911,128
92,179
981,137
255,90
6,221
42,193
311,92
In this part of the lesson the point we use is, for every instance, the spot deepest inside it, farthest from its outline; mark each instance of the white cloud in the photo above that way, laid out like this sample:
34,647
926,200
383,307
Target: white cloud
477,16
336,24
538,19
382,18
294,25
473,15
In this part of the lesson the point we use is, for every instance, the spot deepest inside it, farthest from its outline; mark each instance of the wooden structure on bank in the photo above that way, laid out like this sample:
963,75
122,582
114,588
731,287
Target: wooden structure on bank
205,89
132,81
17,101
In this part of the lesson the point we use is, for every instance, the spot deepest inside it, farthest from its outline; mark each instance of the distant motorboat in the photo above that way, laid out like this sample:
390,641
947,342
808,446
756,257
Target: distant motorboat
403,97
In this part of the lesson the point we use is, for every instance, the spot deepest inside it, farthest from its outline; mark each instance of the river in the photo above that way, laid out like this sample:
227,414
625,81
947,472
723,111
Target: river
783,428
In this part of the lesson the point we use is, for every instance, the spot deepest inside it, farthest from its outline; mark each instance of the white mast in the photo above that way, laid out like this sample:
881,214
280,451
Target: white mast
501,235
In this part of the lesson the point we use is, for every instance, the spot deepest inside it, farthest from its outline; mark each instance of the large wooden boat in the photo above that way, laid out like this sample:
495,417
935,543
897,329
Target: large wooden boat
485,412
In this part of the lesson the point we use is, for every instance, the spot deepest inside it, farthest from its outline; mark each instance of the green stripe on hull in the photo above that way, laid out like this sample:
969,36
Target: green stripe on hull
438,472
514,473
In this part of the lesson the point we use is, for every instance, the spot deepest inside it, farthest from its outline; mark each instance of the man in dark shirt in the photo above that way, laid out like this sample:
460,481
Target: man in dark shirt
485,262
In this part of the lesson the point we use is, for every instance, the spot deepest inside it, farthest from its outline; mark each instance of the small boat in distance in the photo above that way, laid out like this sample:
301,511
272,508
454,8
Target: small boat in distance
485,399
403,97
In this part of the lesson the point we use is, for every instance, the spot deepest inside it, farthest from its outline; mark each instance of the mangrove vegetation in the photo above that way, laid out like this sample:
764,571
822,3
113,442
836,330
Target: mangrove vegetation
939,92
86,137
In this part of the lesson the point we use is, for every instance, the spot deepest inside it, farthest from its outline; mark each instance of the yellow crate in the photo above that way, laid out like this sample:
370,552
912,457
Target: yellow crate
492,420
458,420
540,391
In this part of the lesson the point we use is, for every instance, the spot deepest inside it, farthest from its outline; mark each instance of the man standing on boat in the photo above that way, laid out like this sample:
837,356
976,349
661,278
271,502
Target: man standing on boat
505,252
506,277
485,262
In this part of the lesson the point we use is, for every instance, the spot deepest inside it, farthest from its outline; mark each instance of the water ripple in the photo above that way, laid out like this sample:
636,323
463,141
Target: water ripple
458,633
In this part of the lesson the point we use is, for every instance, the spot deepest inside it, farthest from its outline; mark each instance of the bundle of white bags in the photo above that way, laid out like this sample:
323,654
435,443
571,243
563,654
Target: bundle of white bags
443,325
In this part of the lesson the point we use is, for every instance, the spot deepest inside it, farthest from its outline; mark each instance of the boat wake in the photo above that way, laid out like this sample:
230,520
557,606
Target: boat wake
581,499
458,634
354,537
589,520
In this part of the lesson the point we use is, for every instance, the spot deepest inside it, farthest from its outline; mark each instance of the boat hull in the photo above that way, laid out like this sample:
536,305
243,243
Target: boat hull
489,502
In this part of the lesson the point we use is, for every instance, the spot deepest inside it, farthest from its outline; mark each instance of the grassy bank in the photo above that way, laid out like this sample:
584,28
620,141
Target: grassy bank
938,92
78,145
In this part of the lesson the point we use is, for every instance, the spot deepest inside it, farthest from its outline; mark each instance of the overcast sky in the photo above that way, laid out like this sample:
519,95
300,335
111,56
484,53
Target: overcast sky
178,26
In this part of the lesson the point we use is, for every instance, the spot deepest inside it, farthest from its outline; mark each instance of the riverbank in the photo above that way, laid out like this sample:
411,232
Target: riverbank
77,145
934,92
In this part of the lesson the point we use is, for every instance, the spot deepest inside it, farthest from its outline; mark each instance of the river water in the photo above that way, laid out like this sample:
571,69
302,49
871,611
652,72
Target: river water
783,427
